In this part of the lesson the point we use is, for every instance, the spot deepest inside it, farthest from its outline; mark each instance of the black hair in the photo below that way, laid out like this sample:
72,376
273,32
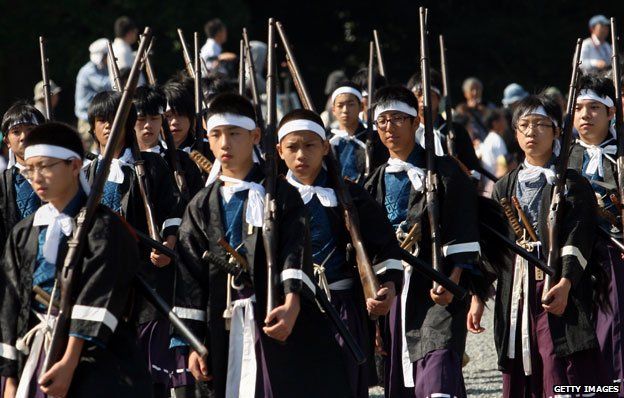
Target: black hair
231,103
347,83
360,78
20,111
180,99
491,117
149,100
415,81
215,83
603,86
124,25
213,27
395,93
534,101
55,133
104,105
299,114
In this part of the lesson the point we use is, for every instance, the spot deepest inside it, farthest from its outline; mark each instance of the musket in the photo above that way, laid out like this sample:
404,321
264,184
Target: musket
86,217
431,186
149,69
446,93
200,133
200,160
380,62
45,78
370,284
255,96
368,153
619,117
112,61
557,201
241,69
235,254
139,164
269,227
304,96
174,161
188,63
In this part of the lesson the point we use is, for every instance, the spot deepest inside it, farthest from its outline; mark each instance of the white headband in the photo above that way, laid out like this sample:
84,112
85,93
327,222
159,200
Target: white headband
50,151
592,95
436,90
540,111
346,90
230,119
399,106
300,125
32,120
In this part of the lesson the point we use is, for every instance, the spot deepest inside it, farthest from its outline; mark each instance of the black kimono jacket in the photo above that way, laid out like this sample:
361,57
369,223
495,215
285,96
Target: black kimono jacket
192,173
463,143
9,213
168,209
311,354
574,330
430,326
110,364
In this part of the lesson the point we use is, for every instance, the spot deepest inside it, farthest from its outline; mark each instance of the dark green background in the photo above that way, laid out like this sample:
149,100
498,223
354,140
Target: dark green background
530,42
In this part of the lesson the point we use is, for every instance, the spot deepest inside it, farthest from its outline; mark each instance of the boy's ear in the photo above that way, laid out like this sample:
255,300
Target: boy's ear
255,135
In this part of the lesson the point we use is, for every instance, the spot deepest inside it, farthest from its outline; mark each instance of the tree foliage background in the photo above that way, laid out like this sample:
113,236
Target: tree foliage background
500,41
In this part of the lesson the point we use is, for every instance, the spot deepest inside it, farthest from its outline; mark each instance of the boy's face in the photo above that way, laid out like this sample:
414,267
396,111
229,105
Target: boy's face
52,178
535,135
102,130
233,145
397,130
346,109
179,125
14,139
303,152
435,102
147,129
591,120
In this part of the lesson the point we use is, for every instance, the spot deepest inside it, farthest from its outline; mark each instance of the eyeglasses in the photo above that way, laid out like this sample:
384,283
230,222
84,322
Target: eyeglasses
540,127
43,169
396,120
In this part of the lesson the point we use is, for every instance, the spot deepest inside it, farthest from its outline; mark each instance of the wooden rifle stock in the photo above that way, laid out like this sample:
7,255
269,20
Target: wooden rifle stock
557,201
448,106
86,217
255,96
431,190
112,61
269,227
45,78
380,62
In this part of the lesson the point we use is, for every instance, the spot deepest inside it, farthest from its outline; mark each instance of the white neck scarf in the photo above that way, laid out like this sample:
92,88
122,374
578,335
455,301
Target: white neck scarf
254,213
596,154
532,173
326,196
343,135
57,223
154,149
437,139
415,174
115,173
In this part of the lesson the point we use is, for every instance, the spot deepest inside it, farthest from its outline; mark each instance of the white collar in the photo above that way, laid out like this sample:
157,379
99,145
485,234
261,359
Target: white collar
327,196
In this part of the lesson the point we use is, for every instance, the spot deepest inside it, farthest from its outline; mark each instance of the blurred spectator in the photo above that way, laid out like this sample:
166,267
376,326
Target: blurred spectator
258,55
54,97
126,34
511,95
595,51
212,51
92,79
473,107
493,147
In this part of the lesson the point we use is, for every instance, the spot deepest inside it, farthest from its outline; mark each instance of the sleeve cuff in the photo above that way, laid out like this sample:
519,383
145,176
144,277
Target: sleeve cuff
96,322
8,352
296,281
190,313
